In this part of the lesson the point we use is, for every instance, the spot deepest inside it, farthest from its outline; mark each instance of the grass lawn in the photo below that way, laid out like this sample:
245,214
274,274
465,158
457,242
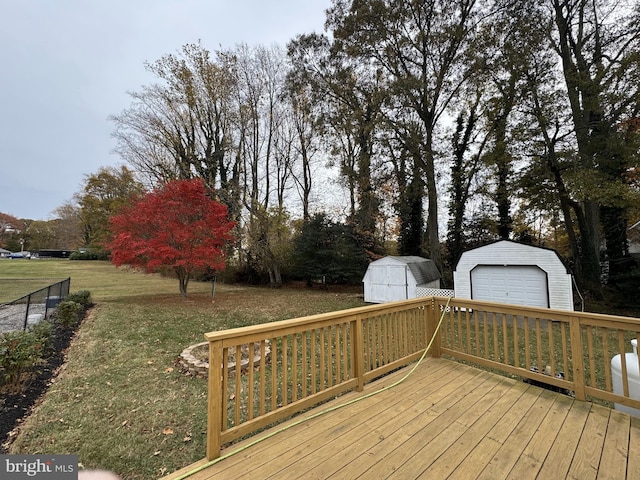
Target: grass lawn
120,402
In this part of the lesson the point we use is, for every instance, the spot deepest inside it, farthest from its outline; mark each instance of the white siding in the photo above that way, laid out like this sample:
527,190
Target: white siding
512,253
396,278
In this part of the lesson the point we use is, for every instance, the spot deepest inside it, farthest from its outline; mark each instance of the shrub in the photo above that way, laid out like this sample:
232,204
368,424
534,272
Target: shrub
83,297
19,353
90,255
68,313
43,332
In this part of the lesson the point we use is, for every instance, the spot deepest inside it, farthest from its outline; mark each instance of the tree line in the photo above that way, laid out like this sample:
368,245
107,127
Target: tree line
444,123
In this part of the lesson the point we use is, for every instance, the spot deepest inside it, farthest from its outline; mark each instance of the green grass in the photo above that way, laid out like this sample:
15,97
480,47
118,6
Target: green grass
121,403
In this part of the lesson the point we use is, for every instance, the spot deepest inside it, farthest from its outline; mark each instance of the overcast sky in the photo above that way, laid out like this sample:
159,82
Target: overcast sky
66,65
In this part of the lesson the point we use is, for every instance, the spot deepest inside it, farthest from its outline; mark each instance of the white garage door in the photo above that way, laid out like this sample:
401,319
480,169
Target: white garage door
515,284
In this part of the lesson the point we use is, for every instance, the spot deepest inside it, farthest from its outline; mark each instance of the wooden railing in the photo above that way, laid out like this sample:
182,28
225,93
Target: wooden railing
286,367
295,364
569,350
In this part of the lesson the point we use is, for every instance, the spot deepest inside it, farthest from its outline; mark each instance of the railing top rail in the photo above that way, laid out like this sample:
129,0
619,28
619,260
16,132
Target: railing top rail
31,279
548,313
24,297
341,315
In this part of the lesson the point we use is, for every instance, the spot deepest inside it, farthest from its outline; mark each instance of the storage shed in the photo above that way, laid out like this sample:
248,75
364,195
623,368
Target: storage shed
516,273
398,278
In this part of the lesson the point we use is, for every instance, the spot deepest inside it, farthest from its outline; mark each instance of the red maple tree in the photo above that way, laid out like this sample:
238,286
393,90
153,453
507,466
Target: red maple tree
176,226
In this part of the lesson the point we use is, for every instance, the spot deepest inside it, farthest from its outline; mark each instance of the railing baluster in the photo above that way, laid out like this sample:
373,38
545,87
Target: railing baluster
623,360
476,320
565,350
225,382
237,399
539,346
468,329
250,382
313,365
527,348
496,348
294,368
285,371
263,376
338,354
516,339
347,338
577,357
590,356
321,334
606,359
552,356
357,352
485,323
458,338
274,374
305,370
505,339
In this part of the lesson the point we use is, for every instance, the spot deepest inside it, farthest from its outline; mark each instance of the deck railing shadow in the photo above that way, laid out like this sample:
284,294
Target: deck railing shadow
293,365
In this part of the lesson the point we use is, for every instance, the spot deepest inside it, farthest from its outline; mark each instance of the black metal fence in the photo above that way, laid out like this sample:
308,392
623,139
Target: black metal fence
25,311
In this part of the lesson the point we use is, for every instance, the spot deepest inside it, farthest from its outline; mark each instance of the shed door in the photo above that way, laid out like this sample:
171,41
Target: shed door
395,283
515,284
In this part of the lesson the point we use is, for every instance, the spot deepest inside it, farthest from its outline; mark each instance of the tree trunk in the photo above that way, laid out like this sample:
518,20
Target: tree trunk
590,247
432,212
183,280
410,211
275,276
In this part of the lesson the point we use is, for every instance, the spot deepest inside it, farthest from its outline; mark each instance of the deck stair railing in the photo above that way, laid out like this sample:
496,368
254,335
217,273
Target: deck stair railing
288,366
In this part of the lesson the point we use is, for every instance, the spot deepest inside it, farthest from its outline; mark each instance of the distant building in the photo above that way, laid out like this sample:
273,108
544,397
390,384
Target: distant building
399,278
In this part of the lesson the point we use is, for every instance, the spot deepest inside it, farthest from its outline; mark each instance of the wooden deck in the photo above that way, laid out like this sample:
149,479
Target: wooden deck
446,420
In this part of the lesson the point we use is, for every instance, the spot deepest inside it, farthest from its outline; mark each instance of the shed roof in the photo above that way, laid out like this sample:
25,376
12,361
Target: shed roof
423,269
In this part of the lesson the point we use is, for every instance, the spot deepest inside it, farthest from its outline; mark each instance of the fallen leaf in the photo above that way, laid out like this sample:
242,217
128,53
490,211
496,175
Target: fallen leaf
186,439
125,422
232,396
167,431
156,453
169,370
150,362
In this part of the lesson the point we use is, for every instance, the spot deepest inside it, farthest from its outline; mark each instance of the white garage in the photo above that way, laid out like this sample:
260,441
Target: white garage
515,273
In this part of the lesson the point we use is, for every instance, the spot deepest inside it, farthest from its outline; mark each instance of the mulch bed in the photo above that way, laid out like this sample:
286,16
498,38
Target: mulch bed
15,408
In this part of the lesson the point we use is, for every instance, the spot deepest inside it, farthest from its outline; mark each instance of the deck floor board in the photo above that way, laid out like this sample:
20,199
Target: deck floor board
446,420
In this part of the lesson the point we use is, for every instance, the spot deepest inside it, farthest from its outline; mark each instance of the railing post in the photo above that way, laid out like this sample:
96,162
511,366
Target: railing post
215,413
26,313
432,318
358,352
46,302
578,359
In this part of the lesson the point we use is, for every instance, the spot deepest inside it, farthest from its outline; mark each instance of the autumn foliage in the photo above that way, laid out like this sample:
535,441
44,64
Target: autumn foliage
177,226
